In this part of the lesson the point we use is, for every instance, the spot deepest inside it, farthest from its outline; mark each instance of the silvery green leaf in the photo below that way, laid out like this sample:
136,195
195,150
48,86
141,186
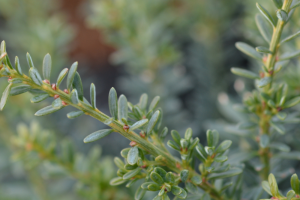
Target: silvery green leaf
39,98
113,103
154,103
176,137
143,102
264,82
133,155
75,114
29,61
264,140
278,127
5,95
279,146
156,178
278,3
196,180
248,50
35,76
221,159
18,66
229,173
266,187
131,173
74,96
152,122
223,146
184,174
176,190
289,55
61,77
19,89
138,124
290,37
117,181
93,95
77,84
122,108
47,64
263,50
282,15
139,194
265,30
295,5
97,135
45,111
293,155
71,75
57,103
173,145
281,115
244,73
266,14
292,102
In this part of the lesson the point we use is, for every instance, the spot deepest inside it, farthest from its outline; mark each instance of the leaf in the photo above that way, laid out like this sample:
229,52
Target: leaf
295,183
57,103
153,187
184,174
164,133
196,180
264,81
221,159
143,101
77,84
266,186
264,140
117,181
154,103
201,152
75,114
293,155
7,62
248,50
39,98
93,95
61,76
281,115
5,95
280,146
290,195
176,137
212,138
152,122
29,60
133,155
278,127
122,108
35,76
19,89
278,3
266,14
170,178
282,15
74,96
138,124
131,173
244,73
183,194
193,144
264,28
223,146
229,173
97,135
173,145
273,185
261,49
18,66
176,190
289,38
139,194
113,103
71,75
295,5
289,55
47,64
292,102
45,111
156,178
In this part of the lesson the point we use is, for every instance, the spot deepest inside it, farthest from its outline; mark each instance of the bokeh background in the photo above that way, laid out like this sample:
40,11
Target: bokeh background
181,50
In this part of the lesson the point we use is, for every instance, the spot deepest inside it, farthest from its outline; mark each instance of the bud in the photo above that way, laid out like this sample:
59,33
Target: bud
46,81
64,103
132,143
125,127
53,86
66,91
56,96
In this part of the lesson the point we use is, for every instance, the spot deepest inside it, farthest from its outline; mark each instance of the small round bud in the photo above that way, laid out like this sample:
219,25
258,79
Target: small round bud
143,166
53,86
64,103
46,81
132,143
178,165
271,72
142,134
144,117
9,79
126,127
56,96
66,91
262,75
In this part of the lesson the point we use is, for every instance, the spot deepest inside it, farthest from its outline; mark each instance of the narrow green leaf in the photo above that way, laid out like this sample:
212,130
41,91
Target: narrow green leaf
156,178
266,14
139,194
57,103
244,73
176,190
97,135
61,76
119,163
229,173
266,186
74,96
164,133
45,111
170,178
176,137
183,194
264,82
295,5
282,15
7,62
188,134
19,89
290,195
280,146
248,50
113,103
77,84
212,138
221,159
295,183
138,124
5,95
93,95
264,141
226,186
278,127
154,103
196,180
35,76
264,28
16,80
278,3
224,146
39,98
133,155
152,122
273,185
131,173
18,66
289,55
2,57
292,102
201,152
75,114
193,144
143,102
47,64
289,38
122,108
173,145
29,60
117,181
3,47
184,174
293,155
153,187
263,50
71,75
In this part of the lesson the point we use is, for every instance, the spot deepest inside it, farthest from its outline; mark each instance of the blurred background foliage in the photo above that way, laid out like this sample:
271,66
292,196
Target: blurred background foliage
181,50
